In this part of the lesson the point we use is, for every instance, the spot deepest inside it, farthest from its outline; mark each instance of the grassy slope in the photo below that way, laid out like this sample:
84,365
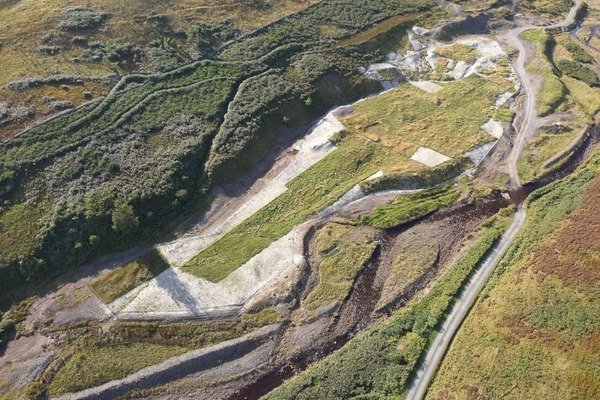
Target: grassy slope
378,363
128,347
408,208
473,6
96,365
115,284
458,52
536,331
540,150
406,118
344,251
19,226
553,91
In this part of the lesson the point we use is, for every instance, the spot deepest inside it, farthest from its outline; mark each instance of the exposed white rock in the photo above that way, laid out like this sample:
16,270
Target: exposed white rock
428,86
479,154
503,98
420,31
415,43
488,49
429,157
494,128
387,85
461,70
378,174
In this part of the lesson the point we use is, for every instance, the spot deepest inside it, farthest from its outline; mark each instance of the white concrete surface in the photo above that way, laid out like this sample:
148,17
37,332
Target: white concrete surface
494,128
428,86
479,154
429,157
176,294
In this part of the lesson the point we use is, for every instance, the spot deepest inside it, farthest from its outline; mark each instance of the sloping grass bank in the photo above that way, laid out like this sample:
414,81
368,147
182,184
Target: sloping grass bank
382,135
378,363
534,333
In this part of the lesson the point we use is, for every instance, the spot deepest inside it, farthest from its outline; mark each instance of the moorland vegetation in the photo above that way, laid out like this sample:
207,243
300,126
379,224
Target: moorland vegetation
156,144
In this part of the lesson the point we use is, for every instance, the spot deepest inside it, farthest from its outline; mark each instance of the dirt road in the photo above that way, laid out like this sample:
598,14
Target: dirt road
530,121
461,308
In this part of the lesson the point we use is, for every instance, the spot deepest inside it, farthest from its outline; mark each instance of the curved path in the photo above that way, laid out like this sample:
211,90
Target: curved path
463,304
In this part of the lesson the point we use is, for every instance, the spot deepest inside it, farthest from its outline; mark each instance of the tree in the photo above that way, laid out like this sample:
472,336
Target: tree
124,219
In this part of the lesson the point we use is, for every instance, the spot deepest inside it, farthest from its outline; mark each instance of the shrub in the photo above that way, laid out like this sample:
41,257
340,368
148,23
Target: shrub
124,219
50,50
578,71
206,38
80,18
578,53
163,59
504,13
124,51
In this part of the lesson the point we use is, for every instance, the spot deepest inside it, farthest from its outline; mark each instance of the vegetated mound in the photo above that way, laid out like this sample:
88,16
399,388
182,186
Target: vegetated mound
550,7
535,329
110,173
81,18
99,38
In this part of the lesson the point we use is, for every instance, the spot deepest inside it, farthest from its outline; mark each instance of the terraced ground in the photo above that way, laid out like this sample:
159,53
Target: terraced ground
371,282
109,38
110,173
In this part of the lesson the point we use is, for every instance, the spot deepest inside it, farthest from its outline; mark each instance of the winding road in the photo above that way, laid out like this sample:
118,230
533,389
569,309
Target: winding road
463,304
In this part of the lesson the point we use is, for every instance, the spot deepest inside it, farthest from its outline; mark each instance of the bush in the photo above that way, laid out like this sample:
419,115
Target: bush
50,50
124,52
163,59
578,71
504,13
578,53
206,38
80,18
